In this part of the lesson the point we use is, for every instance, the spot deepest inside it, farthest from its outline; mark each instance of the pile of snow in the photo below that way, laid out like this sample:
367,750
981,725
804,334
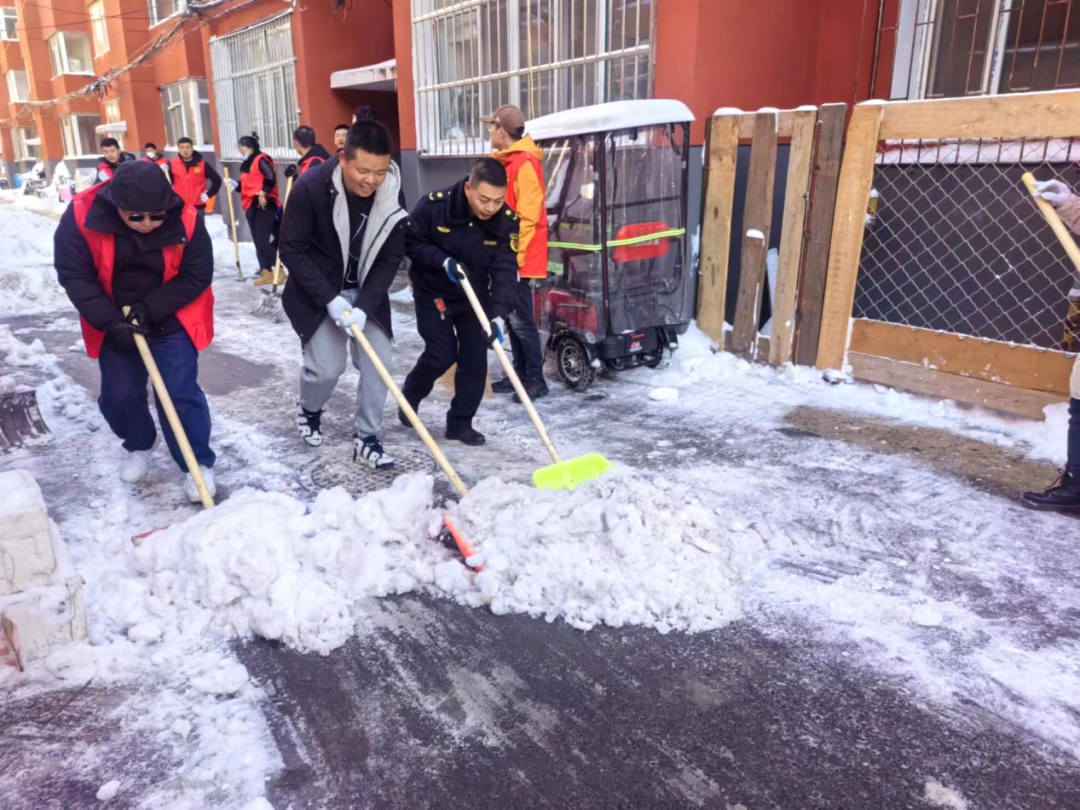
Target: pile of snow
263,564
28,284
618,550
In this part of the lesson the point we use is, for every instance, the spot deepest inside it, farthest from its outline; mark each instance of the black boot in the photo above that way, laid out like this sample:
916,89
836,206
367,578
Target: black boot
535,387
464,434
1062,496
503,386
403,418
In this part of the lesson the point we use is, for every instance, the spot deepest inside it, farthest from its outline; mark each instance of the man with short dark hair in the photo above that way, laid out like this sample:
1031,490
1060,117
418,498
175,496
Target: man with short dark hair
364,113
523,161
466,229
341,132
311,153
154,156
342,238
132,242
111,159
193,178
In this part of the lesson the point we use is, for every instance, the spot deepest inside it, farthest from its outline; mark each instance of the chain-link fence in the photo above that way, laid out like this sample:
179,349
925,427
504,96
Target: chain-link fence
954,242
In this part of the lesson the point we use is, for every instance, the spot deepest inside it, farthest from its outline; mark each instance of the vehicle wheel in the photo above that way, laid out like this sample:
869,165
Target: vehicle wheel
574,366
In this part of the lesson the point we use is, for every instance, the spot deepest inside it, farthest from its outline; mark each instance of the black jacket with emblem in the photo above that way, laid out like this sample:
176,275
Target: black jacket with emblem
314,246
443,226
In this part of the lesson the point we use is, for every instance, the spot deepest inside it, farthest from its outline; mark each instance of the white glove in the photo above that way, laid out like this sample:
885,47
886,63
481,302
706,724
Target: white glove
338,307
102,176
354,316
235,184
203,197
1053,191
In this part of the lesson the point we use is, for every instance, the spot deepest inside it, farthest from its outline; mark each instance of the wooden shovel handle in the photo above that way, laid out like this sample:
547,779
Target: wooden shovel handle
277,261
1050,214
407,409
232,221
173,417
508,367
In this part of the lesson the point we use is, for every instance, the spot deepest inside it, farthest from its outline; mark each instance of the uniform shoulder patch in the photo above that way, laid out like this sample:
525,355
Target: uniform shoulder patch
514,242
431,196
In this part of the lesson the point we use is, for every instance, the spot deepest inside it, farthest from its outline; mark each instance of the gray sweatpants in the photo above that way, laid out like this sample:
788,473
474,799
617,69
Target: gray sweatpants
324,363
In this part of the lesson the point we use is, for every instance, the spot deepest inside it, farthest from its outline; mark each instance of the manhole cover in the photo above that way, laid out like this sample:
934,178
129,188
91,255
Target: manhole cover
325,472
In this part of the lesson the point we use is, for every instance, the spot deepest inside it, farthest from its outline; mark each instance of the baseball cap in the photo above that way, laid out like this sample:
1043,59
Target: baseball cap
508,117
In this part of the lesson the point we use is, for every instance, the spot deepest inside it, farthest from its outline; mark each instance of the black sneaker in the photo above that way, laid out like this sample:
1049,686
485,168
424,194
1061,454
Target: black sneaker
503,386
369,450
308,423
465,434
401,417
1062,496
535,387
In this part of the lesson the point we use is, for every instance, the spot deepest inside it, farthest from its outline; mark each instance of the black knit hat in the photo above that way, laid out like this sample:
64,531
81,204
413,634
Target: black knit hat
139,185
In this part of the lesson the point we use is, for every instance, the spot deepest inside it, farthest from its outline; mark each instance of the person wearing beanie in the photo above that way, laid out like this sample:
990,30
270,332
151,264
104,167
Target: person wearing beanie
132,242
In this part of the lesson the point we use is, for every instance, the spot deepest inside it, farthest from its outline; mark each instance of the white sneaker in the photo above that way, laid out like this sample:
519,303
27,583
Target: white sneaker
370,451
193,491
136,466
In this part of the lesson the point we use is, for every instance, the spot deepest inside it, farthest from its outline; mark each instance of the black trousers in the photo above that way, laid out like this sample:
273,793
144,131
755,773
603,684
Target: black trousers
453,339
263,224
1072,466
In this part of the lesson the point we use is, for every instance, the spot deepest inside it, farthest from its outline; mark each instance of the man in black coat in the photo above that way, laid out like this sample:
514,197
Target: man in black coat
131,242
342,238
465,229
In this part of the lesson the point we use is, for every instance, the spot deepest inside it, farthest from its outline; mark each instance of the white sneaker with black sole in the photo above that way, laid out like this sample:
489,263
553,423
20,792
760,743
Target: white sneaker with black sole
370,451
137,464
193,491
309,425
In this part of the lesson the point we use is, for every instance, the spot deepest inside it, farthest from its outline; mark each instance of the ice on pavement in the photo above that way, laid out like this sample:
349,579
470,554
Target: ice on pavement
28,284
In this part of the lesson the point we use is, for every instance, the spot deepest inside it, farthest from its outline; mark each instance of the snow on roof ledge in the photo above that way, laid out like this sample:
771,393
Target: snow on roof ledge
610,116
381,76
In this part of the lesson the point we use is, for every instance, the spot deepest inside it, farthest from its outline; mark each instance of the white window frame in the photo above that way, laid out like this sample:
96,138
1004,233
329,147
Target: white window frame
21,143
184,96
13,86
918,30
259,56
61,54
181,7
567,18
69,131
99,28
9,14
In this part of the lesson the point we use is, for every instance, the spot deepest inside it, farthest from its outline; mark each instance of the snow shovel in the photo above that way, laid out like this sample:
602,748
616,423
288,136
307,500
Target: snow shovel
270,306
173,417
444,464
1052,218
560,474
20,419
232,221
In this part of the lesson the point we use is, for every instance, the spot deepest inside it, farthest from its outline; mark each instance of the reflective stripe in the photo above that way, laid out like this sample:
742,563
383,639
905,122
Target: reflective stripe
636,240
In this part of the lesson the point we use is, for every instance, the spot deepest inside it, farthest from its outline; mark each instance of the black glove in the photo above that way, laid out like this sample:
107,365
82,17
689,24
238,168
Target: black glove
290,170
124,329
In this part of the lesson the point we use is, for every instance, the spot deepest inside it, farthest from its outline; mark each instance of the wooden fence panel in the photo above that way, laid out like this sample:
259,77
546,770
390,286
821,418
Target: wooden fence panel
723,148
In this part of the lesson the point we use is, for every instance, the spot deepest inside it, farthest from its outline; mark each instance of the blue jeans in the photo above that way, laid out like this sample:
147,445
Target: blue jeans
524,336
124,401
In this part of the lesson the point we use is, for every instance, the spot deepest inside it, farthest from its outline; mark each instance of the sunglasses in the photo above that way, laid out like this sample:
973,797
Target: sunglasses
141,217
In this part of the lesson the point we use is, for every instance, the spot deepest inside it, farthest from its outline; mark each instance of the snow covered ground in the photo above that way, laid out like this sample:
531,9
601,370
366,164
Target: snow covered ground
715,516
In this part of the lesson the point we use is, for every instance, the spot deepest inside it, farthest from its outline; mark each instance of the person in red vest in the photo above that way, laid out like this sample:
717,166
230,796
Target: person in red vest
522,158
132,242
154,156
311,152
259,198
192,177
111,157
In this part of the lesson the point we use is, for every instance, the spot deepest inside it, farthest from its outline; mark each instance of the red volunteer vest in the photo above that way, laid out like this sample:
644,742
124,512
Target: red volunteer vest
535,264
160,160
308,163
108,168
189,183
251,183
197,318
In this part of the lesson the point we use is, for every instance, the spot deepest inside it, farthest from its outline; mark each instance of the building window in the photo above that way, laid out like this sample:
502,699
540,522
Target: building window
187,111
543,55
80,134
18,86
951,48
9,21
27,143
70,53
97,26
161,10
255,87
